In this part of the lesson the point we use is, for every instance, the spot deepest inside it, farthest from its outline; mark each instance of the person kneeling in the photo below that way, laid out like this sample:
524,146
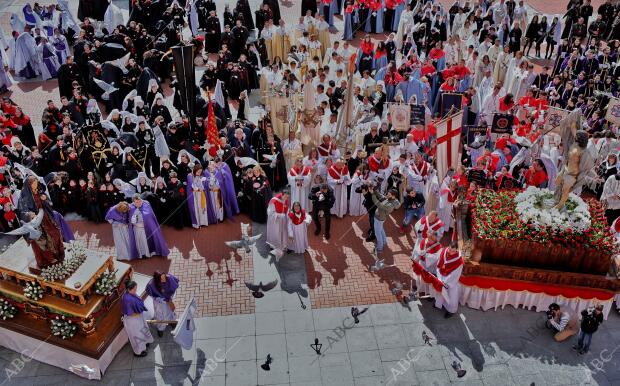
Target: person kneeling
561,322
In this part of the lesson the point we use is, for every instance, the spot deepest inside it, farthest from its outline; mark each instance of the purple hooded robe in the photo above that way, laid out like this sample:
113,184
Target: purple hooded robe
190,200
65,230
167,289
114,215
227,186
155,239
132,304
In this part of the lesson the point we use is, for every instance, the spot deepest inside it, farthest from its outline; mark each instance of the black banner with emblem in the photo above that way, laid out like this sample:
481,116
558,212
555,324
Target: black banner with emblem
95,142
450,100
417,115
139,156
475,134
502,124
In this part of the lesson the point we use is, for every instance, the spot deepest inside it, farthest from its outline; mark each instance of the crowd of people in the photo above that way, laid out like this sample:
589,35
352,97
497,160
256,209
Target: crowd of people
142,152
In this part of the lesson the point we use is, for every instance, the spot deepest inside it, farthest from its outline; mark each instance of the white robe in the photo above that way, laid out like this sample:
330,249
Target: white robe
63,53
277,229
339,185
611,192
120,233
162,311
356,206
449,297
202,218
298,234
429,264
292,150
139,233
138,332
445,207
300,188
25,51
215,194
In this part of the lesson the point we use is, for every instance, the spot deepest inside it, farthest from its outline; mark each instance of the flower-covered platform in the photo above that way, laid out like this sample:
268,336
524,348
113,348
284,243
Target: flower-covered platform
523,252
69,315
519,229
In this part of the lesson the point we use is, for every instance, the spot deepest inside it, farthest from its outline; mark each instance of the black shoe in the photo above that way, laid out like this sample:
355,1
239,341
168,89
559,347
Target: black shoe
141,355
576,347
448,315
371,238
160,333
148,345
327,236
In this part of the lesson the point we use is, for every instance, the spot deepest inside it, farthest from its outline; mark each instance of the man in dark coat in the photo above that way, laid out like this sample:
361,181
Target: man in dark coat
67,74
322,201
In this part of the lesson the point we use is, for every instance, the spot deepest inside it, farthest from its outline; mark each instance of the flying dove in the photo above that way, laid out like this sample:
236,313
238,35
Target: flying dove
30,228
273,158
257,288
246,243
106,87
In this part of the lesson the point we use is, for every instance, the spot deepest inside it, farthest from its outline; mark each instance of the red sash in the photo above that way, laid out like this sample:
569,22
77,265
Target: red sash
375,164
280,205
295,171
297,220
448,262
323,151
338,174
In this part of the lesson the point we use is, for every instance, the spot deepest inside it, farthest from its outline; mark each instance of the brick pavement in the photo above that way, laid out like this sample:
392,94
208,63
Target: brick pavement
338,270
207,269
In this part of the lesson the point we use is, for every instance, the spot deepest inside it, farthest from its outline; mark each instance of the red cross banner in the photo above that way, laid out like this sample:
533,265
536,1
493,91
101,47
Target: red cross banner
448,144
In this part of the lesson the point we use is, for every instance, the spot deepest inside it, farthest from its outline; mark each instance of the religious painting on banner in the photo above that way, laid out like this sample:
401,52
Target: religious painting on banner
94,140
450,100
138,156
502,124
278,107
553,117
448,144
417,115
613,111
400,114
475,134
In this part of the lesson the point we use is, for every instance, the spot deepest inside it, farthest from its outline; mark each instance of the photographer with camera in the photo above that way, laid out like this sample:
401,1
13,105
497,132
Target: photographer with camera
322,201
385,206
591,318
561,322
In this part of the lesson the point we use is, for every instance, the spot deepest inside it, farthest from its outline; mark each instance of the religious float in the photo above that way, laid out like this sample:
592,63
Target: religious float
522,251
67,314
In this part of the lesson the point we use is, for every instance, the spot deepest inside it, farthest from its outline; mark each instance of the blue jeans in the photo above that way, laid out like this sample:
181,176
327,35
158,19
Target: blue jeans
380,234
584,340
411,213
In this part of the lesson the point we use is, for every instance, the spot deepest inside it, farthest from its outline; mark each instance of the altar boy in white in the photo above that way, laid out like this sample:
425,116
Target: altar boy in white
425,256
277,221
338,178
449,270
300,178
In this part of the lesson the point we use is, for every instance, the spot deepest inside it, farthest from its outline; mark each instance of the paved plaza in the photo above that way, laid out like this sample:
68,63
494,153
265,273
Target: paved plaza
391,345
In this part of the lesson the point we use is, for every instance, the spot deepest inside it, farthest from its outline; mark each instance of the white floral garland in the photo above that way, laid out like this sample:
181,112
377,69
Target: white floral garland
7,310
63,327
535,206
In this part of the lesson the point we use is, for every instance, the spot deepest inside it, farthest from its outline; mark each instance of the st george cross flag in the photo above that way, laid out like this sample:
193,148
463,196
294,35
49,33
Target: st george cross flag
448,144
613,111
184,331
553,117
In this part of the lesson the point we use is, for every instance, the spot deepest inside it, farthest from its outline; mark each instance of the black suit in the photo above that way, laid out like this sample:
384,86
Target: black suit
324,205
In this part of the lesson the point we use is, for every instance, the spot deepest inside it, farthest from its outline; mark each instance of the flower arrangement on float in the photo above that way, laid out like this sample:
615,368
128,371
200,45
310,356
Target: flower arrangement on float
523,216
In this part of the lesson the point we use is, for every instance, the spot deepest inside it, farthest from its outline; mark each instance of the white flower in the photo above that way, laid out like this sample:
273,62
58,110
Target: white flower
536,206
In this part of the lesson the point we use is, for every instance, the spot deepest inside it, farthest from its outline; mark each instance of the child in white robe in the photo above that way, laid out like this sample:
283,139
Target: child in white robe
298,221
